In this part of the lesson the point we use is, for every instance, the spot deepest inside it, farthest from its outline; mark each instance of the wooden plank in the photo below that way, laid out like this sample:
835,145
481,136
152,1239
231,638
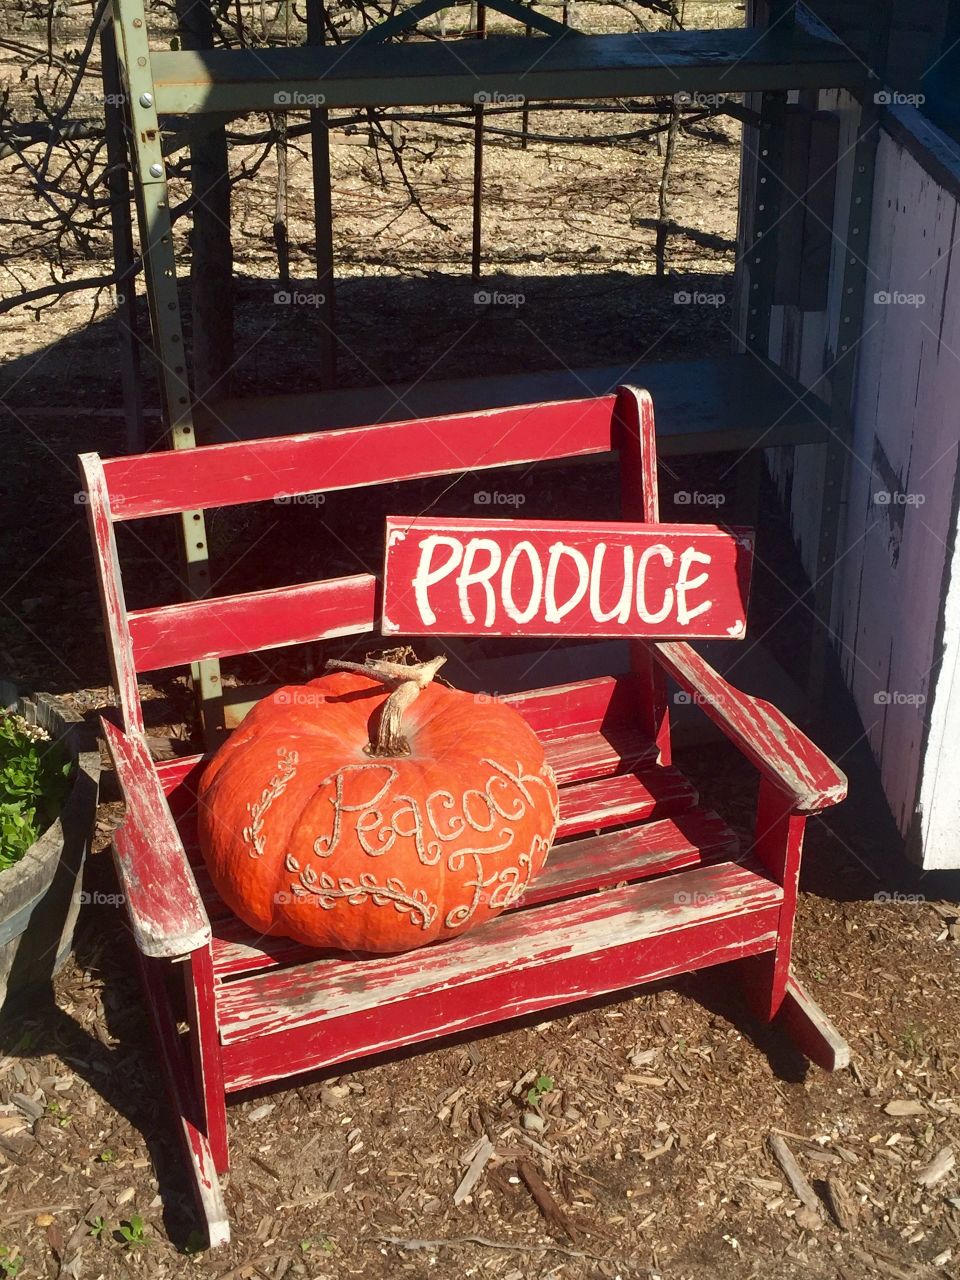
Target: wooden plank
811,1030
282,1022
557,712
205,1183
564,711
222,475
778,847
564,578
640,500
574,867
906,386
930,146
799,1184
179,778
725,403
624,798
911,550
595,755
164,906
819,195
177,634
653,848
112,603
198,976
767,738
796,155
436,72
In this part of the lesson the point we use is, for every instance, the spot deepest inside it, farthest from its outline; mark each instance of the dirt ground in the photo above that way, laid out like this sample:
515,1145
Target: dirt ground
653,1136
654,1133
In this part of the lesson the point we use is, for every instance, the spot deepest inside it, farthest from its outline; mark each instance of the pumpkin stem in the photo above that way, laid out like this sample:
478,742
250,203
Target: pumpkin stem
407,682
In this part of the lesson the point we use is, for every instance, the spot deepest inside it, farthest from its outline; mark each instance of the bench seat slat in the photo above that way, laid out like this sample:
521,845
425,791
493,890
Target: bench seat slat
595,755
615,801
562,711
284,1021
574,867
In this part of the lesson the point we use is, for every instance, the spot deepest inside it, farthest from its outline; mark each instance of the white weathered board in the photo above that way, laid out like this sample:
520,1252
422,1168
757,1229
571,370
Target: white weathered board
897,598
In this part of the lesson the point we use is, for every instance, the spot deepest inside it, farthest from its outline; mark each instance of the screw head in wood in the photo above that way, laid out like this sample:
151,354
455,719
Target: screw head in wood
146,99
156,171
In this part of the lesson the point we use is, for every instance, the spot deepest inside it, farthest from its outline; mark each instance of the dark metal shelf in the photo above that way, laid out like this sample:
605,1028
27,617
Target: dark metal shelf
423,73
736,402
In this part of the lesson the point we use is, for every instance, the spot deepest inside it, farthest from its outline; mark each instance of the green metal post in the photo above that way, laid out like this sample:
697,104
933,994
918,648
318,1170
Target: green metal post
160,275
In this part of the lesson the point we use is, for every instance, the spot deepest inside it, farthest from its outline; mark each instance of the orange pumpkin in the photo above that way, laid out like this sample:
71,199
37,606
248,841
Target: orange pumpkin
346,818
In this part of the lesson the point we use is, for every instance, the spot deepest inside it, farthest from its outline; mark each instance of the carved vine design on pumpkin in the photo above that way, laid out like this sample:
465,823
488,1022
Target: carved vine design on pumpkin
287,762
328,892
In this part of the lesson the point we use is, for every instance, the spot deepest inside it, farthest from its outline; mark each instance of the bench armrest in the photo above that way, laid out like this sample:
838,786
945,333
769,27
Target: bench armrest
766,737
165,908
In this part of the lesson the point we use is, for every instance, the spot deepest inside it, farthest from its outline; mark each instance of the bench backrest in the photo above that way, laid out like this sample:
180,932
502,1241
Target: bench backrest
191,480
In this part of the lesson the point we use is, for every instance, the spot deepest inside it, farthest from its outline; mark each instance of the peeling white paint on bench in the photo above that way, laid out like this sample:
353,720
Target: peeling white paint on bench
578,929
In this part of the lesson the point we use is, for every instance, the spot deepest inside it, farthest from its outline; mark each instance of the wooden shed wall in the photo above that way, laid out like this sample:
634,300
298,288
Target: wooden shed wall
896,612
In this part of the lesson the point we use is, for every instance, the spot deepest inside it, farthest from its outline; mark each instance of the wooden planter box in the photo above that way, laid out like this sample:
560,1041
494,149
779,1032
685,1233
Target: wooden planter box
40,895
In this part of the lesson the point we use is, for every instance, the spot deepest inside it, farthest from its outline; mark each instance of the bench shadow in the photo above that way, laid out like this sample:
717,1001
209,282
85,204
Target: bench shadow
115,1058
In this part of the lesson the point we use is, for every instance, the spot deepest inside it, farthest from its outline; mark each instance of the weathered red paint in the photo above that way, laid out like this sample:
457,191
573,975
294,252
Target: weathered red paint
162,901
205,1049
177,634
176,1077
286,1020
808,778
283,467
603,916
119,644
564,578
575,867
635,437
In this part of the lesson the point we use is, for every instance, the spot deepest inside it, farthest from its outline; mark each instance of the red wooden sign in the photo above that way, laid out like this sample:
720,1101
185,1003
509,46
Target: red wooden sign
565,578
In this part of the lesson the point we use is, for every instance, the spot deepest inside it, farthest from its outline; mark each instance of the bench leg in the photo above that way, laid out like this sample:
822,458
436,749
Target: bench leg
205,1050
178,1079
770,986
811,1030
777,845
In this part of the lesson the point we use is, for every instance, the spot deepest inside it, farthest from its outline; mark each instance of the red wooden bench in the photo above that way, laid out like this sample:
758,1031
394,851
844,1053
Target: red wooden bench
678,892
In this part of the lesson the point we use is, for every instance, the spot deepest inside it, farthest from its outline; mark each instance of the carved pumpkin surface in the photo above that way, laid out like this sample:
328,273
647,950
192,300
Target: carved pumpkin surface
308,835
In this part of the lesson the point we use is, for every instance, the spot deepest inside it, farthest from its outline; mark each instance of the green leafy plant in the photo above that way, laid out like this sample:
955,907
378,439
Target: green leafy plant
97,1227
56,1112
10,1262
321,1242
541,1087
912,1039
34,774
106,1156
131,1232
